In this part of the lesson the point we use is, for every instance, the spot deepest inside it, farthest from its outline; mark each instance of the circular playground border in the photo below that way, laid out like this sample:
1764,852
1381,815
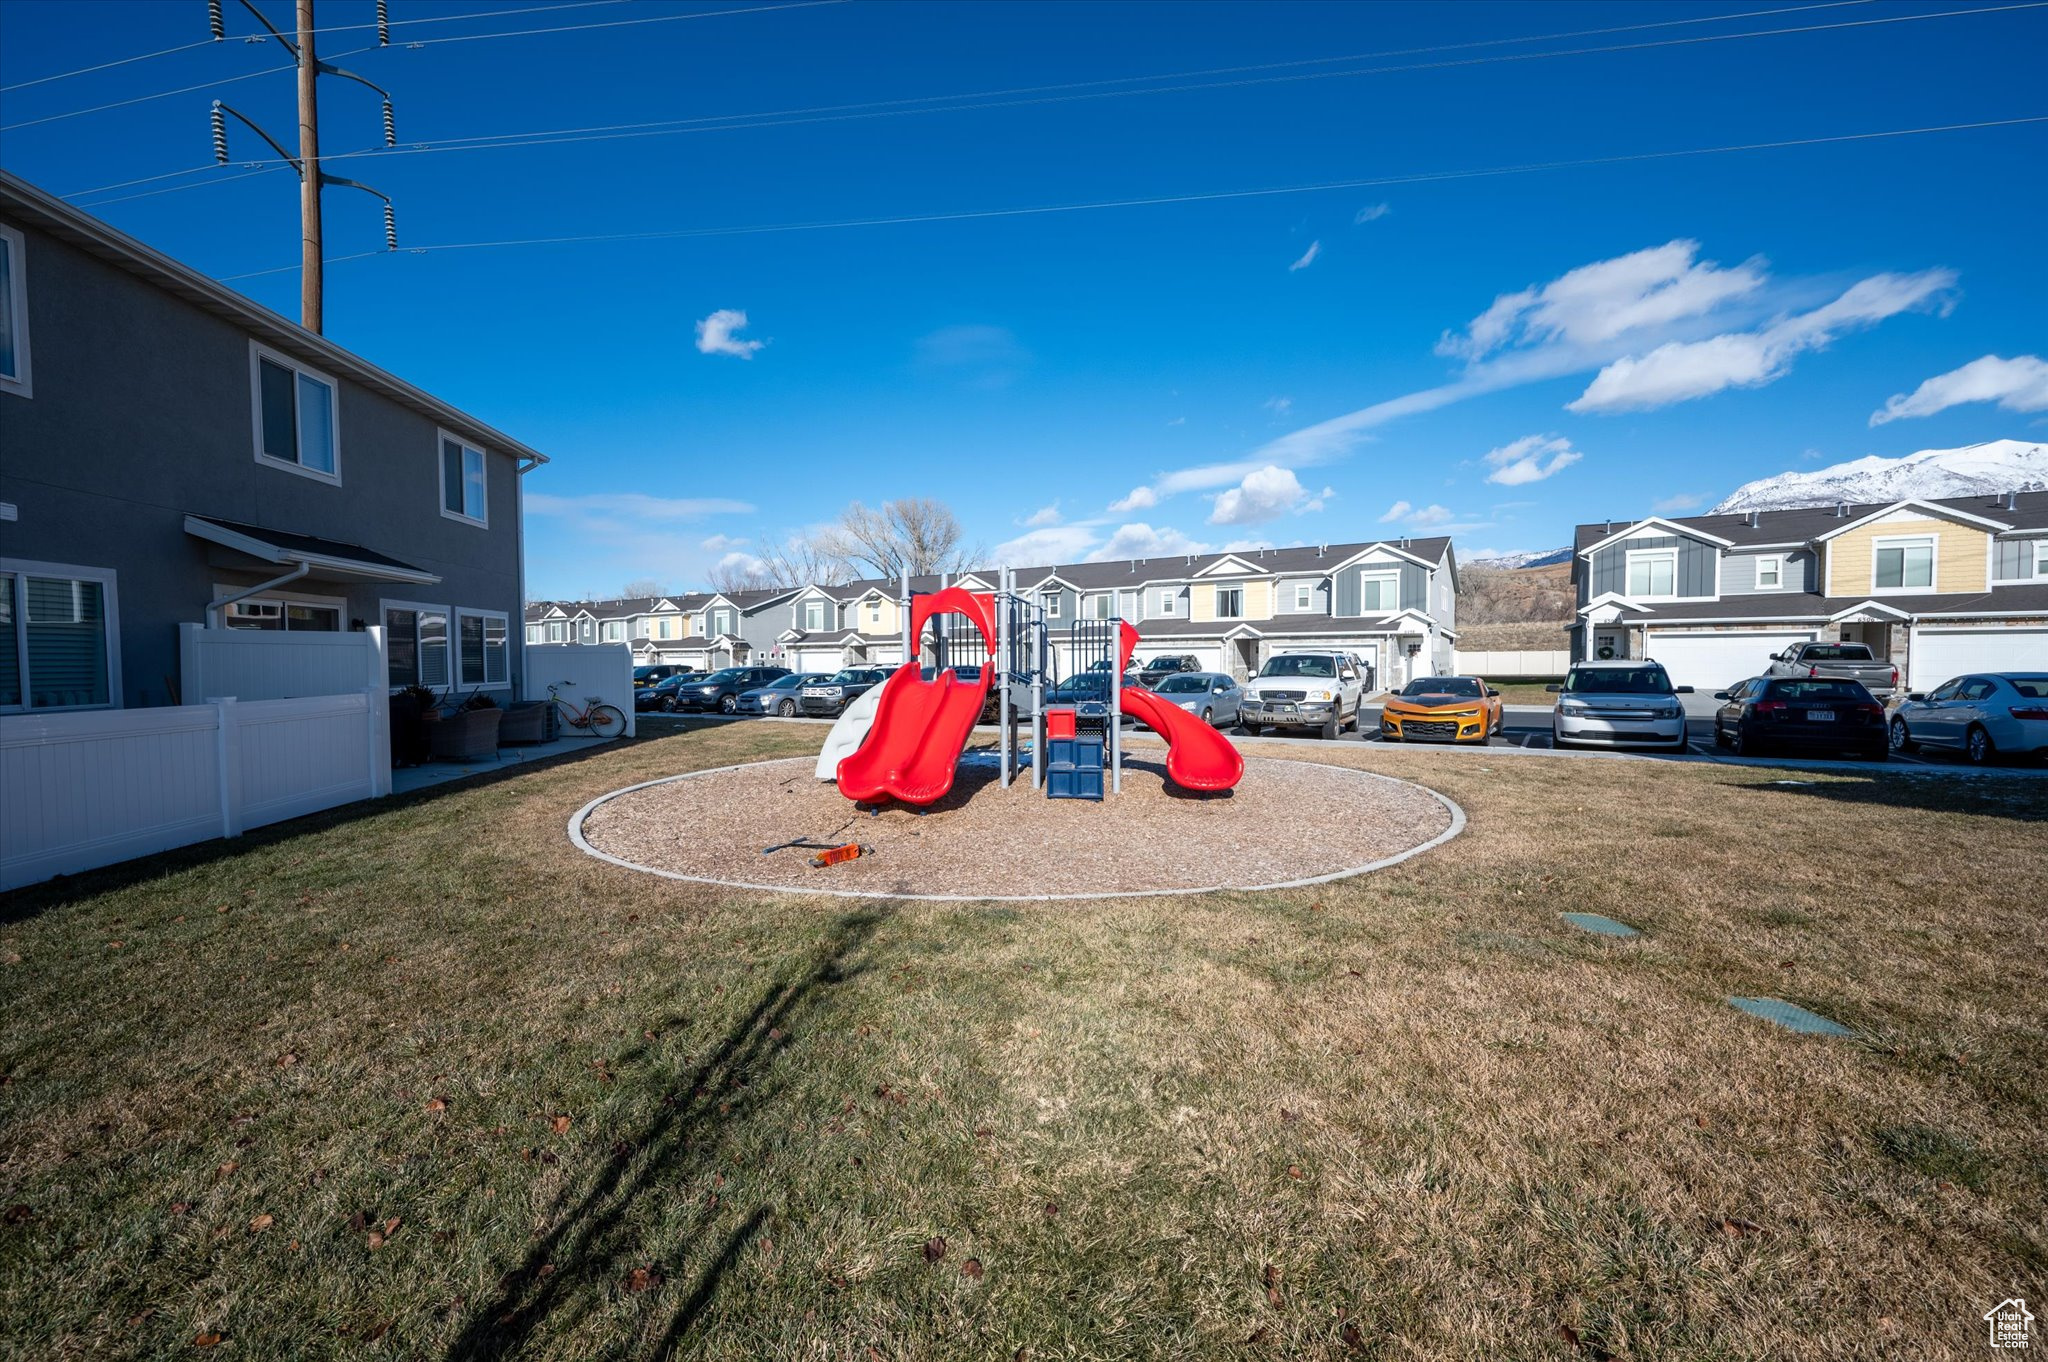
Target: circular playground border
576,836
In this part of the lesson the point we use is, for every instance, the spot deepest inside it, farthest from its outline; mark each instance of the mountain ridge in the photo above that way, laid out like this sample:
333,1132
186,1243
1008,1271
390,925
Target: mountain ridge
1983,469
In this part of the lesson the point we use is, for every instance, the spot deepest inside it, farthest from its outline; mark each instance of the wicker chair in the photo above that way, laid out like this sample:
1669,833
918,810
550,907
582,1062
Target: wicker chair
465,735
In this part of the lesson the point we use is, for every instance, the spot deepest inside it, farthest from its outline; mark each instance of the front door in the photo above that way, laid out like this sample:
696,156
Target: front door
1247,654
1609,645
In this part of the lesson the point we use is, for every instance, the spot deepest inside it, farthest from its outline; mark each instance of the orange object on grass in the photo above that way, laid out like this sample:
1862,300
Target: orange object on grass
851,851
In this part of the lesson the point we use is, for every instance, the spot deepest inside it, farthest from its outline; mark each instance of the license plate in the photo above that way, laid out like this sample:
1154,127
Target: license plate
1821,716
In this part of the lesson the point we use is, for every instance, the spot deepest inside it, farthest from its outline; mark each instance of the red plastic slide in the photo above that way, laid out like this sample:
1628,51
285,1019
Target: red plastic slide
922,726
1198,757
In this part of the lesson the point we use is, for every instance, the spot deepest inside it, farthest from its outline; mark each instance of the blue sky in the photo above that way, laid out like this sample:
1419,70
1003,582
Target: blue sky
1497,355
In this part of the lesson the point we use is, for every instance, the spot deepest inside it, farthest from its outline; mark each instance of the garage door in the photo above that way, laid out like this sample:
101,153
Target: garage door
814,659
1938,654
1716,661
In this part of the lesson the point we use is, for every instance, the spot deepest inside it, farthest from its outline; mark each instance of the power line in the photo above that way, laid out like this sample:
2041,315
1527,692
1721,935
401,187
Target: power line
1377,182
105,66
143,99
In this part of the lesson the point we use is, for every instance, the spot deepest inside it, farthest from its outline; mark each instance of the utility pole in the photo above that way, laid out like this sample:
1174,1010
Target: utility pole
312,179
312,272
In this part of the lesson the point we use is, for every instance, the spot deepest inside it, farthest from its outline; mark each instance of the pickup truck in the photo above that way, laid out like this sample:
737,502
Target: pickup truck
1837,662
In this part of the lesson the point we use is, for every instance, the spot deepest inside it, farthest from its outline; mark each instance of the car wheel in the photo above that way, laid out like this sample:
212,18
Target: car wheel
787,709
727,705
1720,734
1901,737
668,704
1978,747
1742,745
1209,717
1330,730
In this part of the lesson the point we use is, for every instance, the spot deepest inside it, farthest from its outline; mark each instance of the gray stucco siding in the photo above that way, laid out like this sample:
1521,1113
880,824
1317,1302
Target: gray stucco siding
1738,573
1695,565
142,415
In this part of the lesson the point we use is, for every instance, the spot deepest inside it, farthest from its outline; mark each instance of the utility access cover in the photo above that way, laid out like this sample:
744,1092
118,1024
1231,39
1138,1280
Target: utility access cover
1790,1016
1606,926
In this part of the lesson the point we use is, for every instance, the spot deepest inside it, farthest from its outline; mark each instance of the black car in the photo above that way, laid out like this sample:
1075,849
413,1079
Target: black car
656,671
833,696
1157,669
721,690
662,694
1811,713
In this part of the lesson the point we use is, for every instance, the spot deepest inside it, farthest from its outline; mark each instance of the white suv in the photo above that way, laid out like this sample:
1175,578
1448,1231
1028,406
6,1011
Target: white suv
1618,704
1303,690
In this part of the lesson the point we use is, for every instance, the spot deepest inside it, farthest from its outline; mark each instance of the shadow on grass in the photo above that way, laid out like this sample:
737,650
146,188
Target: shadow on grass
595,1239
2021,799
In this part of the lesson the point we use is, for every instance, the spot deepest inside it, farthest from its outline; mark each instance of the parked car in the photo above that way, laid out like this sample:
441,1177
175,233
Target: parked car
1303,690
970,672
656,671
662,694
832,695
1837,661
1619,704
1983,717
1154,670
1089,688
1211,697
1801,711
778,697
1442,708
722,689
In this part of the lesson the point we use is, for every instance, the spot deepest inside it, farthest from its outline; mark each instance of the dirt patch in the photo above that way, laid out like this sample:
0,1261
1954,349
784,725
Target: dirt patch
1287,821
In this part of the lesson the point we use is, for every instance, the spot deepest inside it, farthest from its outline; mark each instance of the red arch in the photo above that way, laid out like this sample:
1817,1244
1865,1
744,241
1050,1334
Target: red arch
978,606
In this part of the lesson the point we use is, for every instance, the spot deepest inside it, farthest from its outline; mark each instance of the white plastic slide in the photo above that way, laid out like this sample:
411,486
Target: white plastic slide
851,731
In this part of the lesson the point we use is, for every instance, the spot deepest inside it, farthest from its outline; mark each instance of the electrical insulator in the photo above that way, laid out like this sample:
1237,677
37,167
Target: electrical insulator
390,229
220,135
390,126
214,20
383,23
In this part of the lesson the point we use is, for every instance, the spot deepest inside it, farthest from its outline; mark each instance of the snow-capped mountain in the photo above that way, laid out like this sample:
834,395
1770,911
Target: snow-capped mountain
1508,562
1985,469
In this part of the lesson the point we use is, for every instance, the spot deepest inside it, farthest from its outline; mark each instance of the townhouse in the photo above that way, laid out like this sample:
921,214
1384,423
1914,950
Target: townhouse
177,454
1937,587
1392,602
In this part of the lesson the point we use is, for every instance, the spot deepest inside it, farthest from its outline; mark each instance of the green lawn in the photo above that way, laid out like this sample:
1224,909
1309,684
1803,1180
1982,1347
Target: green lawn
423,1081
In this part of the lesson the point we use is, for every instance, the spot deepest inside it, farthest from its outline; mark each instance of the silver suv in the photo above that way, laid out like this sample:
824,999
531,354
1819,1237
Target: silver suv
1619,704
1303,690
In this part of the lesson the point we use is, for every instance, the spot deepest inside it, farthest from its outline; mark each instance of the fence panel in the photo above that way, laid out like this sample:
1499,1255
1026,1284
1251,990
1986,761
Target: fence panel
581,672
1504,665
262,664
301,756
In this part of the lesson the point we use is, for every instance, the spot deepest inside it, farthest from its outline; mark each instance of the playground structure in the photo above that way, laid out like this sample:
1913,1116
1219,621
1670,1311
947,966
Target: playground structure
903,739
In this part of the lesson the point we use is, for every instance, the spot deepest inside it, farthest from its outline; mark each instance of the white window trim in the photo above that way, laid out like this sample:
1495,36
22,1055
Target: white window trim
808,606
1136,600
554,631
1167,598
22,382
1778,560
1050,602
110,594
1304,596
605,631
1392,579
440,463
384,609
1216,601
259,352
2040,558
456,679
1628,572
1933,543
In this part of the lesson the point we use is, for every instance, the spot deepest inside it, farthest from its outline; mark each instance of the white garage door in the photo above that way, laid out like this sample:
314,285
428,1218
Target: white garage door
1716,661
1939,654
814,659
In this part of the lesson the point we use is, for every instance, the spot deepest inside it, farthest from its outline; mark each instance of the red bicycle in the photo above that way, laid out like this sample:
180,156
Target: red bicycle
599,720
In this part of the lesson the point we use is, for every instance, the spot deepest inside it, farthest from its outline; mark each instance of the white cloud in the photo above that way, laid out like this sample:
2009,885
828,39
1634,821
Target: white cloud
1050,544
1395,512
1178,421
635,505
1679,504
1371,213
1246,545
1043,516
715,334
1308,257
1265,494
1421,518
1679,371
1279,406
1142,541
1530,459
1609,298
2017,384
719,543
1140,499
742,562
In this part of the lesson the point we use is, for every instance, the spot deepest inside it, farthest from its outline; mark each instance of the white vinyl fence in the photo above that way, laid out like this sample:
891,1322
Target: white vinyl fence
263,664
89,789
1507,665
581,673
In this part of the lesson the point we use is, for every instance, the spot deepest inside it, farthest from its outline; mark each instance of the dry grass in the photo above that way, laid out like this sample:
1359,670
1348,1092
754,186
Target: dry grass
1412,1115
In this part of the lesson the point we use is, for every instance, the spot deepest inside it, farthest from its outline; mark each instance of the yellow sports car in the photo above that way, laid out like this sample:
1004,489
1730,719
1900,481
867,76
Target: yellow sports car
1444,709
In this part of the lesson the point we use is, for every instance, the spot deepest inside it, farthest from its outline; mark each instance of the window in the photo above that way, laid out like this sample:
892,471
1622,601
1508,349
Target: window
416,644
554,631
2041,557
1770,572
282,613
874,614
1304,595
462,482
1903,564
1099,607
480,651
59,648
1051,601
1229,602
1652,573
721,622
1379,592
14,368
296,422
614,631
535,633
1166,602
814,614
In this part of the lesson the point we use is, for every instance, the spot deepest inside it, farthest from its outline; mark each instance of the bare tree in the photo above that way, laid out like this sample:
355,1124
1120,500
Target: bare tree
642,586
912,534
738,572
802,559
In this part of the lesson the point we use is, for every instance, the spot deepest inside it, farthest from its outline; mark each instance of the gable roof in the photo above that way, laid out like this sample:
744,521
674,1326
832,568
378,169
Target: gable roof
1808,524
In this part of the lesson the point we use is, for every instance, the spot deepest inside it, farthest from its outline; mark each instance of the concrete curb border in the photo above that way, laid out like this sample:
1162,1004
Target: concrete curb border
576,836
